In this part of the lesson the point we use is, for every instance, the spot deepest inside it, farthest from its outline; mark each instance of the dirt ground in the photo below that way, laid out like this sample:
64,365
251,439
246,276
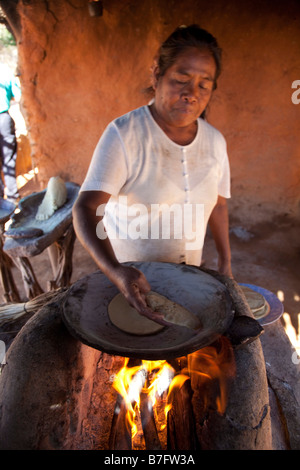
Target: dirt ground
267,255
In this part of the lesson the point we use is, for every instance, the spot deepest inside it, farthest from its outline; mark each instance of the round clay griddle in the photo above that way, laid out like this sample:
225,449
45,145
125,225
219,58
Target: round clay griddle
85,312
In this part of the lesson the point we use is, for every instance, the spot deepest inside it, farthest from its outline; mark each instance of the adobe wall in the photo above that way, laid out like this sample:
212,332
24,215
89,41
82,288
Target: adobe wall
79,72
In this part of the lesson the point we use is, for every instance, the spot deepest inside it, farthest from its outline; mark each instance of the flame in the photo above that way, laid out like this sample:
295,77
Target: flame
128,383
161,380
176,384
292,333
212,365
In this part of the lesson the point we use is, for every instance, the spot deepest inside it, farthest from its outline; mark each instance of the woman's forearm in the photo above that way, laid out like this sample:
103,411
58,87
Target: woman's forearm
89,229
219,226
85,221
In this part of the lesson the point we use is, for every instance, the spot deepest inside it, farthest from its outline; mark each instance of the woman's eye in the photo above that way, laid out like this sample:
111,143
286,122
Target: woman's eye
205,85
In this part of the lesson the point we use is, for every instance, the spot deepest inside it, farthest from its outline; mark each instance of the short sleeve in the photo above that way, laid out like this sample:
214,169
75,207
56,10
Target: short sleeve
16,90
224,175
108,168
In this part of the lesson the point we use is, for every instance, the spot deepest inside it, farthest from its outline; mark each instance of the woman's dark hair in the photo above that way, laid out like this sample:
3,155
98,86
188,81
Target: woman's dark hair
182,38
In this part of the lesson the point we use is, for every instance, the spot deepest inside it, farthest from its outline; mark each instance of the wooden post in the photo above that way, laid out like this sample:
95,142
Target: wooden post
60,255
11,293
31,285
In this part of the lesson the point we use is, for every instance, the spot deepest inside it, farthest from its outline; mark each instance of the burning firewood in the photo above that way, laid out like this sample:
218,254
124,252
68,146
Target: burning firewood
148,423
181,426
120,435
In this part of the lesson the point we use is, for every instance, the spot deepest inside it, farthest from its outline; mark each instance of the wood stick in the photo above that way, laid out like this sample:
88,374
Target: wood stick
11,293
31,284
60,254
148,424
120,433
180,420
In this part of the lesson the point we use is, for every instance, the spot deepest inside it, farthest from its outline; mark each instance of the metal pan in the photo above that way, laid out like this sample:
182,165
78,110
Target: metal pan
85,312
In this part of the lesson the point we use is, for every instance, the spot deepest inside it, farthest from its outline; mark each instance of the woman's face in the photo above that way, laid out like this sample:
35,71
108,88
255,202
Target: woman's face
183,92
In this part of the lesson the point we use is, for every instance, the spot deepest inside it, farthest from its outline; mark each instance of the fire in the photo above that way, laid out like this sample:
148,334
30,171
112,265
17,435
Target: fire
162,374
292,333
130,383
210,365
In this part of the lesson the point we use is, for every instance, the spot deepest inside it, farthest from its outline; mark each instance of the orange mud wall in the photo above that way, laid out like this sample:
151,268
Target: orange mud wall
79,72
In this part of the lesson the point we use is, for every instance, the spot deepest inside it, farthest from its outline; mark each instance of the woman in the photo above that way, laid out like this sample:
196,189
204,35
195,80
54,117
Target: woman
154,164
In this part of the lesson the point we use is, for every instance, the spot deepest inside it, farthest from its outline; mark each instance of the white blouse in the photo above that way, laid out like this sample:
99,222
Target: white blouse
162,193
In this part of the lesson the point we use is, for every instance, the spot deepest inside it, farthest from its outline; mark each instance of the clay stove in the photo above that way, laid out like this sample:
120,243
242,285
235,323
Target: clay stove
56,393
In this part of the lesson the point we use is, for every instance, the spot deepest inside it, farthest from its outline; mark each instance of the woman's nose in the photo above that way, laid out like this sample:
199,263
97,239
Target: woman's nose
191,92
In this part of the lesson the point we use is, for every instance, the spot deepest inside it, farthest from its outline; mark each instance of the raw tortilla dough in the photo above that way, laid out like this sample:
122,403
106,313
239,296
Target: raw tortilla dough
256,301
128,319
55,197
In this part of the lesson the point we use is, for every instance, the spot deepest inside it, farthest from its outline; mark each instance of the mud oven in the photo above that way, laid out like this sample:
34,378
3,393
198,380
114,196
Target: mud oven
74,381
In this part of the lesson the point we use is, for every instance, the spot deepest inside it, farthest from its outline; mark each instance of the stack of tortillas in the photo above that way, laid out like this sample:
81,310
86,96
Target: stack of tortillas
257,302
129,320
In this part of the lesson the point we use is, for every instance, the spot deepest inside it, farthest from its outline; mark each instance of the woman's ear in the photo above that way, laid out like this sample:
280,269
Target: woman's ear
154,75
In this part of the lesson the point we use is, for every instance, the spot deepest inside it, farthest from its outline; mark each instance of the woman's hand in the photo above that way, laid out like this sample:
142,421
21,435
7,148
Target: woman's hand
224,267
130,281
133,284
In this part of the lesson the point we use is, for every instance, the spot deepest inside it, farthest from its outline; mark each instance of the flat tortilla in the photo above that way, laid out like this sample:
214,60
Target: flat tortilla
172,312
257,303
127,319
